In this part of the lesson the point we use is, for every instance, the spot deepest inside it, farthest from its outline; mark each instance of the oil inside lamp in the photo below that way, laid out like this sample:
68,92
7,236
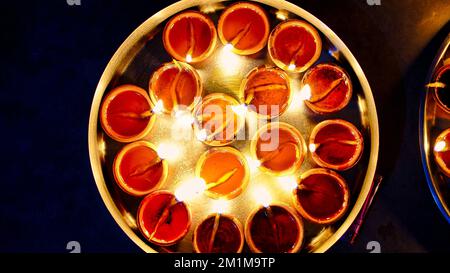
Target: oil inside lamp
176,85
330,86
273,228
294,45
279,147
126,114
163,220
216,122
267,90
244,28
441,151
225,172
336,144
322,196
190,37
138,169
219,232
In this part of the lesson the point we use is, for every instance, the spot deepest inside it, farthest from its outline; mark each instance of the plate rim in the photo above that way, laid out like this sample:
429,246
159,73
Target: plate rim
159,17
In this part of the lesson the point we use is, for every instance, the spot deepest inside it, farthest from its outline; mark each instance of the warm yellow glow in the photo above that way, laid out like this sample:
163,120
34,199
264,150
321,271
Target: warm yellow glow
202,135
440,146
158,108
220,206
189,189
102,148
169,150
305,92
288,183
292,67
282,15
188,58
184,117
228,47
262,196
229,63
253,164
312,147
298,97
240,109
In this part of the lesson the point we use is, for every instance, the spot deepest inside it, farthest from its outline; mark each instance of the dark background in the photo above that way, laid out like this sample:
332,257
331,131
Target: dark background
53,54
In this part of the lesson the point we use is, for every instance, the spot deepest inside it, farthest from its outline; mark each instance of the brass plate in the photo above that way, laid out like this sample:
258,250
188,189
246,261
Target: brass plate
143,51
433,121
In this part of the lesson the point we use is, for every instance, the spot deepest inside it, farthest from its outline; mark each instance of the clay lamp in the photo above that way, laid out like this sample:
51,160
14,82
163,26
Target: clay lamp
225,172
138,169
244,28
442,151
274,228
175,84
162,219
322,196
336,144
190,37
126,113
330,87
217,123
279,148
219,233
294,45
441,87
267,91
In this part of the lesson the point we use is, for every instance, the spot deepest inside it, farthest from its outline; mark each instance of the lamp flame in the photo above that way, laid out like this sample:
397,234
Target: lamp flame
262,196
440,146
190,189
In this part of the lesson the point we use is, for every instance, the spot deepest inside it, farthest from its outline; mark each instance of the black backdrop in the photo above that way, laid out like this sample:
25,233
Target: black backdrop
53,54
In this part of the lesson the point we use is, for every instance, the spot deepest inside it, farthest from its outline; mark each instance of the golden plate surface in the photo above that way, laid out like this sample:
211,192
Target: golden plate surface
143,51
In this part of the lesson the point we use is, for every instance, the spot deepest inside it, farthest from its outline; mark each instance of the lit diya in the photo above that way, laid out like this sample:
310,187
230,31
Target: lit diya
330,86
442,87
225,172
138,169
244,27
274,229
267,91
279,147
175,84
217,122
190,37
162,219
322,196
336,144
126,113
294,45
442,151
219,233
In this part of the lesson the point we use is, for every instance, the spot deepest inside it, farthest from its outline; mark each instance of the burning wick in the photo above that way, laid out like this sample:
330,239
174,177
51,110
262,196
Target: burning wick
224,178
220,206
143,115
228,47
288,183
253,164
188,58
169,151
331,88
190,189
315,146
158,108
164,215
292,67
